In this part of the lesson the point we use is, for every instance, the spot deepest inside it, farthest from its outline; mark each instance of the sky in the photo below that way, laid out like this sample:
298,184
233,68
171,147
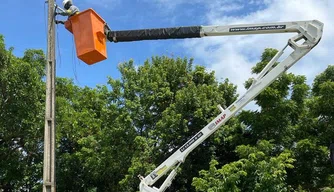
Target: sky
24,27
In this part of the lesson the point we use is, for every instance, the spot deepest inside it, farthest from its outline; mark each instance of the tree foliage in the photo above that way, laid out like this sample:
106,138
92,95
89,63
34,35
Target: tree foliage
109,134
21,119
256,170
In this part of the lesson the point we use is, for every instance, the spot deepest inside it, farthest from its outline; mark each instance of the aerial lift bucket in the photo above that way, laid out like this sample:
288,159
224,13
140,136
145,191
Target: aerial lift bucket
90,40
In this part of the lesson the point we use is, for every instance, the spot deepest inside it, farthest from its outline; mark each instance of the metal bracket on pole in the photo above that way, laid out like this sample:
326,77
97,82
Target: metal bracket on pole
59,8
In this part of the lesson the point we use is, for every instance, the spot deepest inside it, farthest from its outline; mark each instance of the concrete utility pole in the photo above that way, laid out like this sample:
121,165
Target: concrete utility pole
49,176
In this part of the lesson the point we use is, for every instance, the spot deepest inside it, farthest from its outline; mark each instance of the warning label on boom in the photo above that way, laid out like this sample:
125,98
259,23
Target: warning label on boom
257,28
191,141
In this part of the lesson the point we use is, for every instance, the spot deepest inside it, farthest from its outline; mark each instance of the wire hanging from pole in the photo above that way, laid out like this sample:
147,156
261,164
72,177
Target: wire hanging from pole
58,47
74,62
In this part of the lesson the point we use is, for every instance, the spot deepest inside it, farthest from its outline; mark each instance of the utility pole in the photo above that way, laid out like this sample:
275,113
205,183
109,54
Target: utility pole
49,176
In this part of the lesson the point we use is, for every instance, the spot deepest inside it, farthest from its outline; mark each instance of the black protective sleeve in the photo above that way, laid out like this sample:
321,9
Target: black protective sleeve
154,34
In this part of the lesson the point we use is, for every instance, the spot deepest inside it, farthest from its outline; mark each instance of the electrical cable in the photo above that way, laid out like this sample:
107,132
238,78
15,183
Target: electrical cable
74,61
45,20
58,47
46,31
58,44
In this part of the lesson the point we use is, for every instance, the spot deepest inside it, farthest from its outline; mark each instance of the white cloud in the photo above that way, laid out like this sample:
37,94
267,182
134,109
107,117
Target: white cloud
233,56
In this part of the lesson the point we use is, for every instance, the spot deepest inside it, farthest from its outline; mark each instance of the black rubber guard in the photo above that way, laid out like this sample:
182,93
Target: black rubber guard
154,34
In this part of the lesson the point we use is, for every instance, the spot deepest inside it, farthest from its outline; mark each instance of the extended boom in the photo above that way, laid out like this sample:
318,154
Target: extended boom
309,31
91,33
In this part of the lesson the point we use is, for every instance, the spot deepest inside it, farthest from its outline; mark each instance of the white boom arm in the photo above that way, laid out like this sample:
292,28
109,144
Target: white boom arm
311,31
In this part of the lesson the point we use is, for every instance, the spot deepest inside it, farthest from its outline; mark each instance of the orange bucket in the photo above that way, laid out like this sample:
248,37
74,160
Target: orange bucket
90,40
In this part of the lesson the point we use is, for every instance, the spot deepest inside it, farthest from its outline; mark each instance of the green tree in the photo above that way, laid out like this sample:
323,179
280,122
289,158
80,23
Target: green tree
107,135
314,135
168,100
256,170
21,119
282,105
285,118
